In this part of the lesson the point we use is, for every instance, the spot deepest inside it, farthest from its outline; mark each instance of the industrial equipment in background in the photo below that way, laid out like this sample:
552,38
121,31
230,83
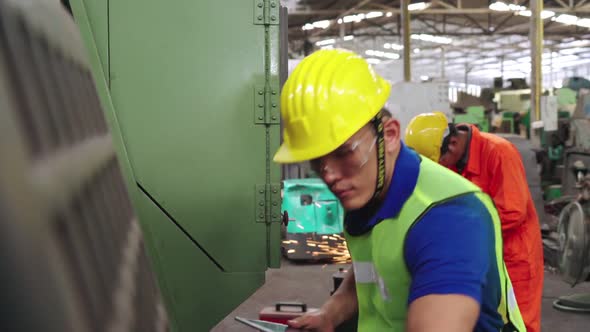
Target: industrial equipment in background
73,252
564,158
314,222
199,125
409,99
574,238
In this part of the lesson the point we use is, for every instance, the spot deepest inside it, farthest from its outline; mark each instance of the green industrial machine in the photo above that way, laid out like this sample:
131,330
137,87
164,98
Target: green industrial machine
315,217
474,115
193,89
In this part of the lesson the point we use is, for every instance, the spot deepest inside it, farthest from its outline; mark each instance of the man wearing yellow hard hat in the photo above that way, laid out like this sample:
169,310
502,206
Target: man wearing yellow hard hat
425,243
493,164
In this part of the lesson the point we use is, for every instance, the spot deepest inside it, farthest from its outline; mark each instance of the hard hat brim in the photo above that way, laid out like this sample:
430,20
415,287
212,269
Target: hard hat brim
286,155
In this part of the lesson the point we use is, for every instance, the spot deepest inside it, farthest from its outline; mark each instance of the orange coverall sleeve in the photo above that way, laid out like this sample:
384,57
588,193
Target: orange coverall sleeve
509,188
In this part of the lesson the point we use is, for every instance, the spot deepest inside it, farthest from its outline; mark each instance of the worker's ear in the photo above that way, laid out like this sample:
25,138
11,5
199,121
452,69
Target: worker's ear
454,140
391,134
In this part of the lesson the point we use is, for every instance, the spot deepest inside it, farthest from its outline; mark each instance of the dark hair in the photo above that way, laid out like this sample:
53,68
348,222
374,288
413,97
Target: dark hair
447,139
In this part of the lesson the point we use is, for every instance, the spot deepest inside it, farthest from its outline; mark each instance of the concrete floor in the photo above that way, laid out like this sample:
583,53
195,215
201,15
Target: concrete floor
307,283
312,284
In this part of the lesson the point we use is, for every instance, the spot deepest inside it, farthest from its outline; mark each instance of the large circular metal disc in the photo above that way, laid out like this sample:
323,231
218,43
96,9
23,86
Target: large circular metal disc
574,237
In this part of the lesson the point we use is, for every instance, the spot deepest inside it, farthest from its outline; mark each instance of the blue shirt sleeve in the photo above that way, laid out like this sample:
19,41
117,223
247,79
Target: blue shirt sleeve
449,251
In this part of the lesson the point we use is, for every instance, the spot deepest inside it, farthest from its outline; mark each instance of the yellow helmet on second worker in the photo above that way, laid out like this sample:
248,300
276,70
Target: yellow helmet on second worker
329,96
425,134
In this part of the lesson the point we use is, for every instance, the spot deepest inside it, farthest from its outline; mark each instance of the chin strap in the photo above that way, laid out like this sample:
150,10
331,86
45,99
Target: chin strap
378,124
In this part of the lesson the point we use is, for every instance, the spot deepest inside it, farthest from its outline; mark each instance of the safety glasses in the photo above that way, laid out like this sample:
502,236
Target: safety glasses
348,159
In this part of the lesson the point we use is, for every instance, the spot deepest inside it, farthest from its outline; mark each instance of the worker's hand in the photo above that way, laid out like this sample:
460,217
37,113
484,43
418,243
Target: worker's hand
314,321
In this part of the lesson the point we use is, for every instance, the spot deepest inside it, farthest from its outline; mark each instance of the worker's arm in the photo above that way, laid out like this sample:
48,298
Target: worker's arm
508,186
339,308
449,253
443,313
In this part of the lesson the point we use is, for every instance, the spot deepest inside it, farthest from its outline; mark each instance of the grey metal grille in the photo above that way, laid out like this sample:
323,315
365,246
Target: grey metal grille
62,192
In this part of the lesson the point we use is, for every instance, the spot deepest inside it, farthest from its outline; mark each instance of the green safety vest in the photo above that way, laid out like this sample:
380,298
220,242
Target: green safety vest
382,277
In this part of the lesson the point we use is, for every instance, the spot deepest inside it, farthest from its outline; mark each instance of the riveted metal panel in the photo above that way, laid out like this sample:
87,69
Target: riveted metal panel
181,85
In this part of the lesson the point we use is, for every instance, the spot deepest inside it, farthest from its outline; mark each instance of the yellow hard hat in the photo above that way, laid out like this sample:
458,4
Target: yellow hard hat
425,134
329,96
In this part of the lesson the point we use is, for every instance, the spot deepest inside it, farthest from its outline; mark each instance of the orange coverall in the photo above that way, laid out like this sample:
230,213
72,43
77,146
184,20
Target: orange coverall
494,164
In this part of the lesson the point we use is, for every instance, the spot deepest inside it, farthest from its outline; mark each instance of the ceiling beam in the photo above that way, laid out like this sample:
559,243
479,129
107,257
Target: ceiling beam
562,4
433,11
472,20
501,24
444,4
430,25
473,34
354,8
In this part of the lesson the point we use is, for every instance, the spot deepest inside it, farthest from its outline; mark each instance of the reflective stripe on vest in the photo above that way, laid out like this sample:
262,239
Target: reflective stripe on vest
365,273
383,280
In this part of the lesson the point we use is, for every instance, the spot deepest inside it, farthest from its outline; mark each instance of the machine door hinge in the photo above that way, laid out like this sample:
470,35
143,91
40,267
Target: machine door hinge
268,203
266,12
266,103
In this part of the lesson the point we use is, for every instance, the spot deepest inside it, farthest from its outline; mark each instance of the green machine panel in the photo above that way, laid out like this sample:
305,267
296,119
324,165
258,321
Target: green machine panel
194,87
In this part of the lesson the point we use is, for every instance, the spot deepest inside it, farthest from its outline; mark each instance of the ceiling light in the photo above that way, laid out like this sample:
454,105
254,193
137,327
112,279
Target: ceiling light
393,46
373,61
432,39
583,22
325,42
307,26
373,14
418,6
545,14
573,50
565,19
516,7
416,50
349,37
339,21
424,78
389,14
503,7
321,24
381,54
327,47
353,18
578,42
566,58
499,6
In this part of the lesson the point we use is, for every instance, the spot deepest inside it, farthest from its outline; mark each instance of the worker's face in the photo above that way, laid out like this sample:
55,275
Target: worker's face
351,170
454,152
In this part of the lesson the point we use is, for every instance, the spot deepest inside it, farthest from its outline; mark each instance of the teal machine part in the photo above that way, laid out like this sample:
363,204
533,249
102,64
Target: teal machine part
315,226
192,88
312,207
